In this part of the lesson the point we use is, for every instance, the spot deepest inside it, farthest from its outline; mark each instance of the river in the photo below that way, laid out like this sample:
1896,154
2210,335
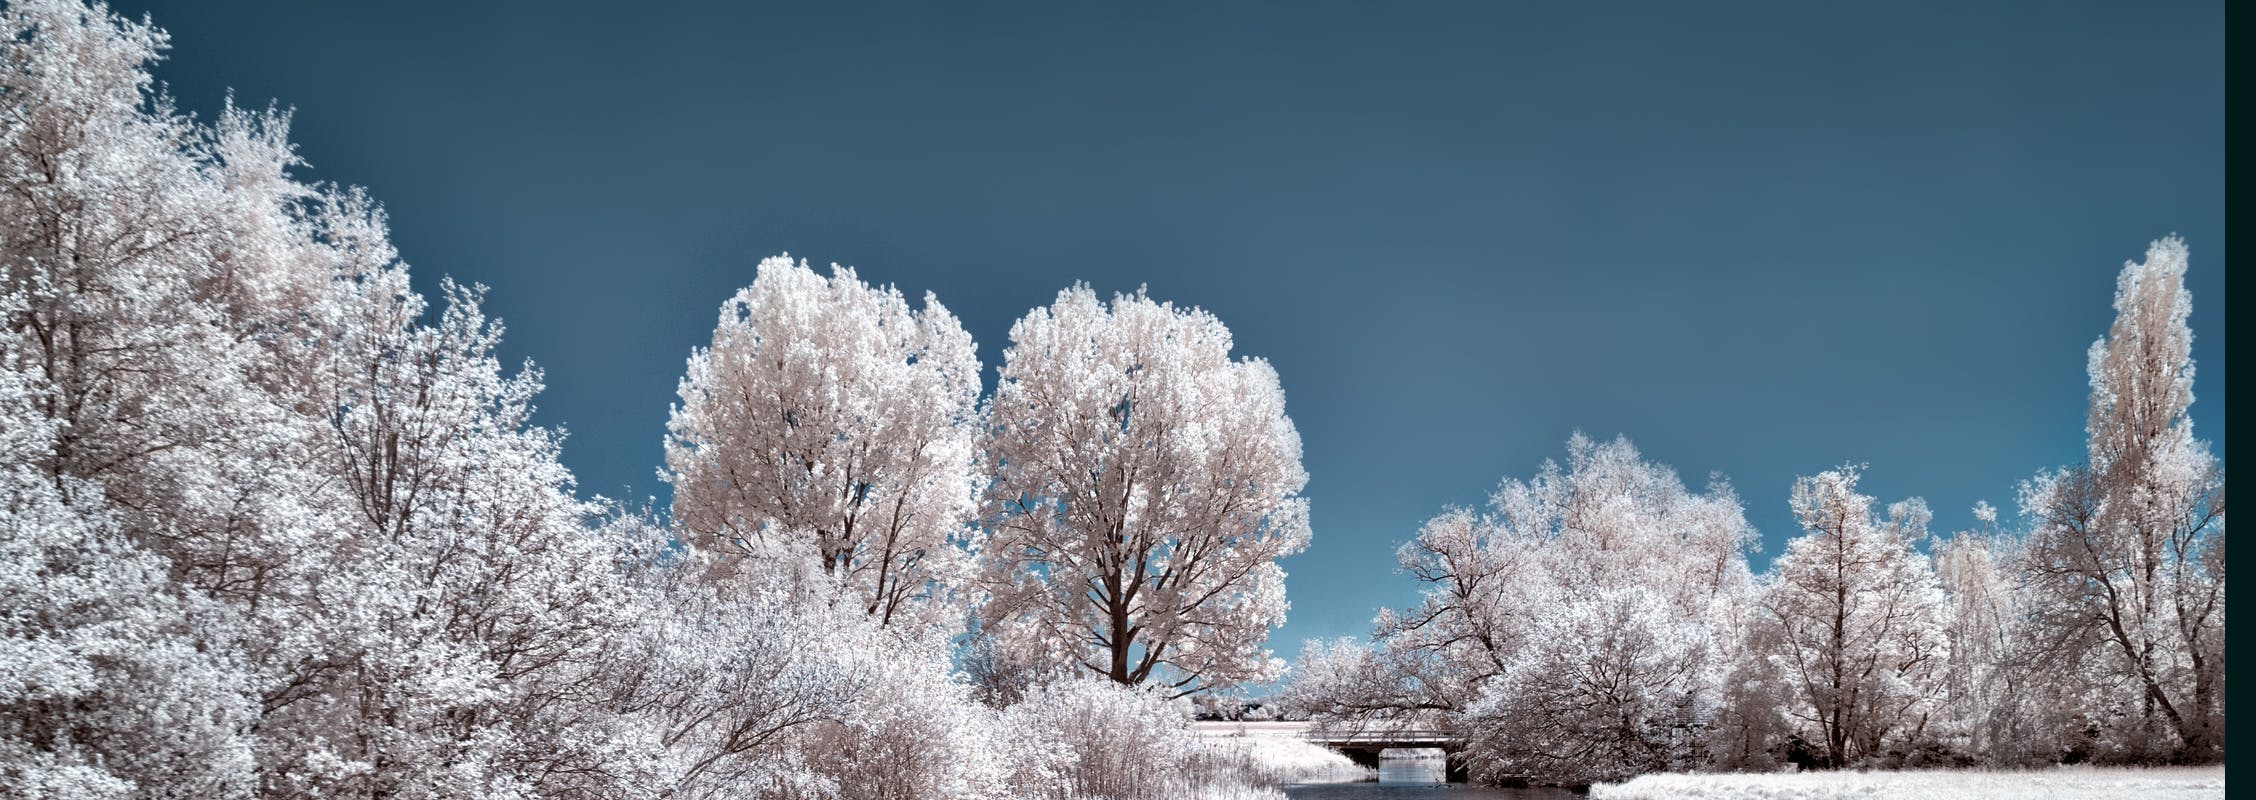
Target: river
1369,790
1415,774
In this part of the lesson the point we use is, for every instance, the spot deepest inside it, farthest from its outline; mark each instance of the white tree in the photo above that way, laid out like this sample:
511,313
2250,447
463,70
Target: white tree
915,732
1986,707
1349,681
722,682
2127,550
1614,548
1603,591
1611,518
1091,737
1145,485
1475,614
1859,618
1600,693
258,431
1748,729
136,393
477,598
830,418
104,689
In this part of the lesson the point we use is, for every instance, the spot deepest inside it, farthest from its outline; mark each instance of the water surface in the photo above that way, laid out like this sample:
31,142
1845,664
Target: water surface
1446,791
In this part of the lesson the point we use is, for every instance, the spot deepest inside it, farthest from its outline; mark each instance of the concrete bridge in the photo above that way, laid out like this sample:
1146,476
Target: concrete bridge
1363,744
1360,736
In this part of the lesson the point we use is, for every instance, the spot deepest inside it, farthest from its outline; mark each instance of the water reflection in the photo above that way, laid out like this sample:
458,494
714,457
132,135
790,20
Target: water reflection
1416,773
1413,765
1441,791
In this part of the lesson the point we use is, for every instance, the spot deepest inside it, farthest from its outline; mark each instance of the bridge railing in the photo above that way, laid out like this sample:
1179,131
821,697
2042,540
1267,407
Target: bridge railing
1376,736
1309,732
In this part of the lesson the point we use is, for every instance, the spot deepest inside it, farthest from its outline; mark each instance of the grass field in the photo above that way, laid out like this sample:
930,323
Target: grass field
2060,783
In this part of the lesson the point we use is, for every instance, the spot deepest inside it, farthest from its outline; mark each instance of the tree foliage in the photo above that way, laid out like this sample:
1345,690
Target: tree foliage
830,418
1145,484
1556,626
1575,631
1859,615
277,524
2127,551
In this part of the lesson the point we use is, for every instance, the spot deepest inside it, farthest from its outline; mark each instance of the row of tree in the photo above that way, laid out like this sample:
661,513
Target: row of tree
1600,620
277,527
1116,508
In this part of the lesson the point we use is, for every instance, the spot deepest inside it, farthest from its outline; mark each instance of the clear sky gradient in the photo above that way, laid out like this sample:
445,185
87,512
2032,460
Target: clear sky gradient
1759,239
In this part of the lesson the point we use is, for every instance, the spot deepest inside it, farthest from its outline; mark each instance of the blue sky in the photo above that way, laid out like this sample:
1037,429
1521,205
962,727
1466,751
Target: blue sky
1760,239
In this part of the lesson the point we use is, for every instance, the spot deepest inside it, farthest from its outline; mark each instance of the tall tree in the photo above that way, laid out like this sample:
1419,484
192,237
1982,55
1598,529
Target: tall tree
1576,627
828,420
1858,612
140,423
284,474
107,687
474,599
1601,692
1145,485
1985,709
2128,549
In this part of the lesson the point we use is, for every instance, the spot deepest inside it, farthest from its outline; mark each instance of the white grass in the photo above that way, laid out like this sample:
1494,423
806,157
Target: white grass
1235,793
2058,783
1276,760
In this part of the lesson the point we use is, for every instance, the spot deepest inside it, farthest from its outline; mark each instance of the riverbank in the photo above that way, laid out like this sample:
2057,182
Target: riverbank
1258,759
2059,783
